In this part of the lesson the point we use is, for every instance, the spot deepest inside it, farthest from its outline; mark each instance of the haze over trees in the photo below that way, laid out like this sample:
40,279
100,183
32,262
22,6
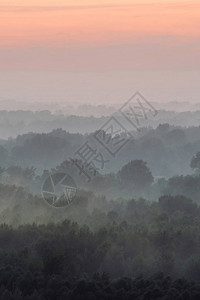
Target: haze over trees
132,232
18,122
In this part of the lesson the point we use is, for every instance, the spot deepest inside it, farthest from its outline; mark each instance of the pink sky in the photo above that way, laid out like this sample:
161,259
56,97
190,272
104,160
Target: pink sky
119,37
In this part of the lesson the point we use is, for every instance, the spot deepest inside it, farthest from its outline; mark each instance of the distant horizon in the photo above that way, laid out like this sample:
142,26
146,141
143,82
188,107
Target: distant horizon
89,109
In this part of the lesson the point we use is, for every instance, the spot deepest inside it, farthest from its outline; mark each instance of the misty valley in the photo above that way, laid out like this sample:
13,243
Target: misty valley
129,231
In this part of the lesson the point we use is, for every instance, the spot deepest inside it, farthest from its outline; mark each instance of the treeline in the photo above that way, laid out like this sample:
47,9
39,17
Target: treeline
116,261
134,179
167,150
17,284
98,249
122,238
84,120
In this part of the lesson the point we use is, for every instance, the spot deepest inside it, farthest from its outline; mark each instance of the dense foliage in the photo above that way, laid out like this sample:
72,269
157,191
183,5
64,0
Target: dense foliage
17,284
117,239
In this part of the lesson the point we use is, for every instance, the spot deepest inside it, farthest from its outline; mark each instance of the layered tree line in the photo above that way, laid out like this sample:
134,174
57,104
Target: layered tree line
130,233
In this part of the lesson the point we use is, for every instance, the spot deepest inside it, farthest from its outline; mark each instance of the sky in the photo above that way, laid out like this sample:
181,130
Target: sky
99,51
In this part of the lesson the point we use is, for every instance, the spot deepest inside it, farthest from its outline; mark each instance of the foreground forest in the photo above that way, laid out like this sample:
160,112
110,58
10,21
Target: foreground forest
123,250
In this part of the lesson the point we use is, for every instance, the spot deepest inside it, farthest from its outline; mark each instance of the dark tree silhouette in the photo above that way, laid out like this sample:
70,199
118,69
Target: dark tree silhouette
135,174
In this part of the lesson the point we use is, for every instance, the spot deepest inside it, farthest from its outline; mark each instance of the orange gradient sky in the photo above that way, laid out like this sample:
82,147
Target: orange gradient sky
92,30
99,36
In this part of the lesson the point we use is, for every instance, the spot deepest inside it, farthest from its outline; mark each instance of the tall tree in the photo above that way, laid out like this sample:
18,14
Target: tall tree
135,174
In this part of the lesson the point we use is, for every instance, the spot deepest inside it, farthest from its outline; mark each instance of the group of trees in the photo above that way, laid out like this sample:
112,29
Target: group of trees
122,250
134,178
84,120
36,286
142,237
167,149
